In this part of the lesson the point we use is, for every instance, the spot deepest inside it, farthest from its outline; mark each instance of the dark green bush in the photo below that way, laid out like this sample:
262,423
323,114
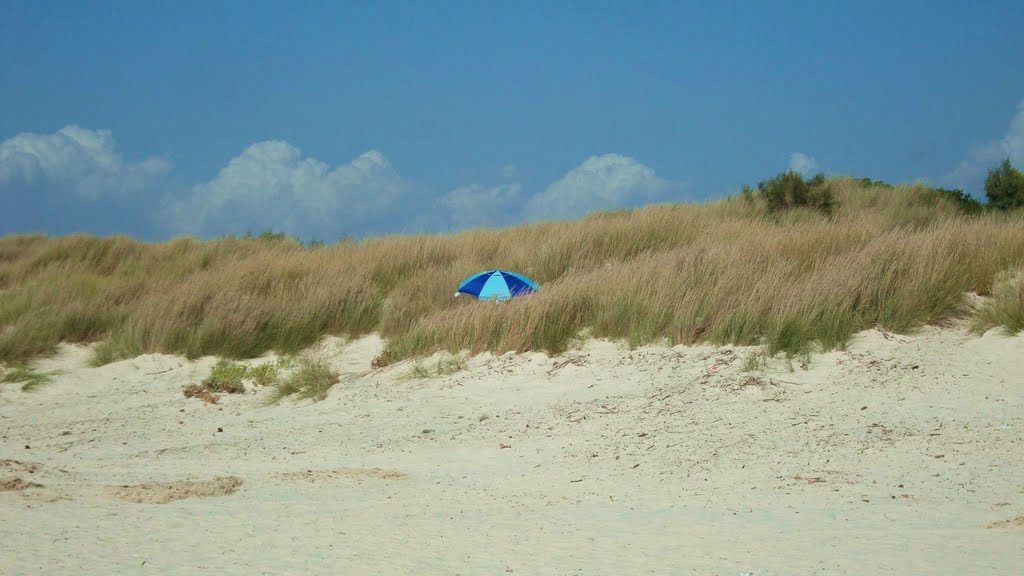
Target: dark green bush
791,190
868,182
1004,186
967,203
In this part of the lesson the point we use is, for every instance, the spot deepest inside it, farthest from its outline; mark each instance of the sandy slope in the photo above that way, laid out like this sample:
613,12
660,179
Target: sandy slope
902,455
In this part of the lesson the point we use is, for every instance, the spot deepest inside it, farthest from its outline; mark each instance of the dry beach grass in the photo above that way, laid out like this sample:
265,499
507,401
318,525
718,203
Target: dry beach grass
731,271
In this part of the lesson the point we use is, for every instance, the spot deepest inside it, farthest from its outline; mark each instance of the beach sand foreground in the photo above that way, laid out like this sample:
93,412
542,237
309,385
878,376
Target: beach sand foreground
901,455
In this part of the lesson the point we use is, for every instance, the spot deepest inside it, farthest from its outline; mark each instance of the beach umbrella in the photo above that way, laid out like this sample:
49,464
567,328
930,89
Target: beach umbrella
497,285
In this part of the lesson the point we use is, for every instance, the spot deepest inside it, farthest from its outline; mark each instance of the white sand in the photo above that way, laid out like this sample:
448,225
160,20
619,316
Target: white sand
903,455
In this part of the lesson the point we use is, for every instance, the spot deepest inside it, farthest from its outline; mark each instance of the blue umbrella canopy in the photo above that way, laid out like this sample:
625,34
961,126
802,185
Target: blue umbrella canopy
497,285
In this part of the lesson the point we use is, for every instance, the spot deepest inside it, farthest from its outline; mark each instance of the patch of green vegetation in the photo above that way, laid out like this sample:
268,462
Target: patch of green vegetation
965,202
834,328
121,346
313,380
229,376
30,378
104,353
273,236
264,374
419,372
28,339
443,367
759,360
1005,309
1004,186
741,329
755,362
790,190
791,337
869,183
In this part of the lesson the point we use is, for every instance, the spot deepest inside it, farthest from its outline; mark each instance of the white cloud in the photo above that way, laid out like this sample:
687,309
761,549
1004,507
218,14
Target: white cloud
970,173
472,206
803,164
599,183
270,186
82,161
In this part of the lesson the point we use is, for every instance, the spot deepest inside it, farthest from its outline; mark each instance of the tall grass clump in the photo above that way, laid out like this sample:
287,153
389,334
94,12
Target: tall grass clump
1005,308
312,379
444,366
797,265
29,378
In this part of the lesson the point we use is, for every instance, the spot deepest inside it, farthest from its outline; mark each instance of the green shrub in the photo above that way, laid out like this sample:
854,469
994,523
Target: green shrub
869,183
227,377
1004,186
266,374
747,194
313,379
791,190
965,202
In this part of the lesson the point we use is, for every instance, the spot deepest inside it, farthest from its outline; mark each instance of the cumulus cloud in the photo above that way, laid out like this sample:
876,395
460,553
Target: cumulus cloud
271,186
970,173
803,164
599,183
76,160
76,179
475,205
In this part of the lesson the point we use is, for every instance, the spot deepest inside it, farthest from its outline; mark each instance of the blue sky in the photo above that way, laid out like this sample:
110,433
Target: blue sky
330,119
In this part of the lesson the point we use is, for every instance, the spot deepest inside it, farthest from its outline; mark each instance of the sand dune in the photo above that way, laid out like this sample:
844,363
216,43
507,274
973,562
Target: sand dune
901,455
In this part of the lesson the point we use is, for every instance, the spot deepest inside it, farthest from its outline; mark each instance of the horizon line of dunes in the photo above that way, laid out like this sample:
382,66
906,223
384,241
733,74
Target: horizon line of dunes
738,270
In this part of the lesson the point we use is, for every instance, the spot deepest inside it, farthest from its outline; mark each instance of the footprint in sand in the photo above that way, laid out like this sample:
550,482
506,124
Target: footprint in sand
16,483
19,467
13,471
32,481
1017,522
163,492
